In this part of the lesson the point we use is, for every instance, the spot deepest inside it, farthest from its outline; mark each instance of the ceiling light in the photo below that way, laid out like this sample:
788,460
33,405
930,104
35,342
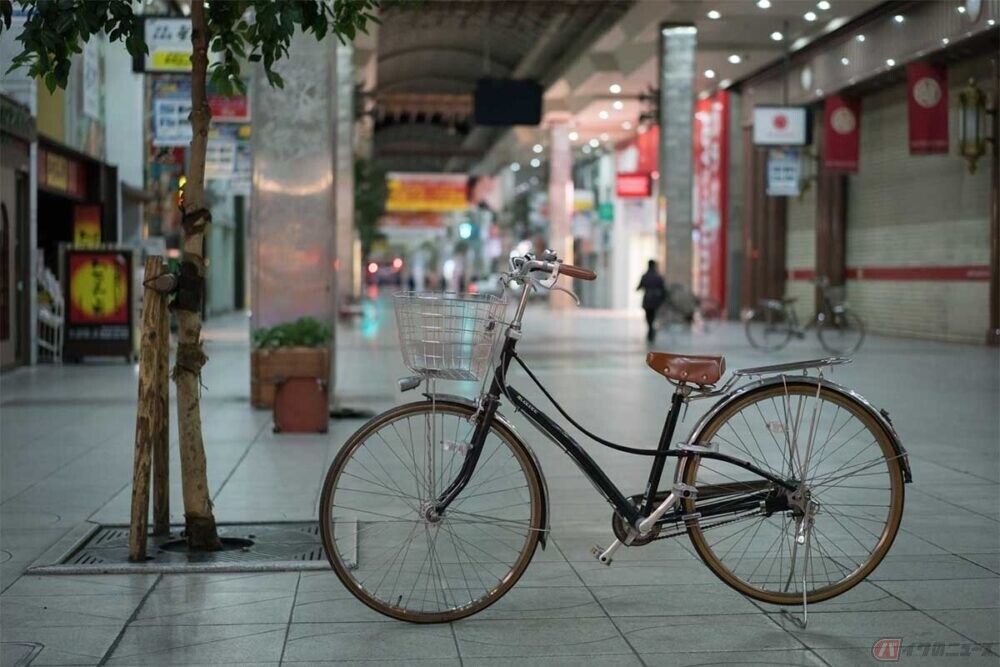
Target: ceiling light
603,115
595,143
819,92
725,83
945,41
626,125
714,15
586,149
710,74
898,18
764,4
537,148
536,163
809,16
777,36
845,61
735,58
961,9
991,22
514,166
615,88
860,38
574,135
823,4
890,62
618,105
604,136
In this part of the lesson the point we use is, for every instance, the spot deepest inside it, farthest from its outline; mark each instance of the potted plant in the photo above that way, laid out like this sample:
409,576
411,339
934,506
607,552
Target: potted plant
292,349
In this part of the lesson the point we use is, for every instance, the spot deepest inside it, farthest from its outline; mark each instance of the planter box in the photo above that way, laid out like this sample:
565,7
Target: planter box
270,366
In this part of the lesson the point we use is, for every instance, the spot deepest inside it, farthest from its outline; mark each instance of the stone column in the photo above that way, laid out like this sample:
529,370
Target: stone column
561,201
344,180
292,231
676,79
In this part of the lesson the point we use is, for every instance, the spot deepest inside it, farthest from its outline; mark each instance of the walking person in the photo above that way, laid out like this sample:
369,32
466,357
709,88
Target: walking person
654,294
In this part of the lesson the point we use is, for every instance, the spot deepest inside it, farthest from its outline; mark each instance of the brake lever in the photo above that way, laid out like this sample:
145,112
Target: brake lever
571,293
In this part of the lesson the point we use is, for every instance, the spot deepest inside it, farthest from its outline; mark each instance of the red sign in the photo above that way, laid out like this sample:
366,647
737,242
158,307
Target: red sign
710,220
234,109
841,134
98,288
634,184
927,92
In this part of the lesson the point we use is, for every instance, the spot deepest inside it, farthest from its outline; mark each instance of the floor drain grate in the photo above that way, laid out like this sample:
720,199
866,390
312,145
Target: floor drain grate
273,546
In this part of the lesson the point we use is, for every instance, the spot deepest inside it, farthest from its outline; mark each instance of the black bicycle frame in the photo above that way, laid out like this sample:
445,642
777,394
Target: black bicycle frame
622,505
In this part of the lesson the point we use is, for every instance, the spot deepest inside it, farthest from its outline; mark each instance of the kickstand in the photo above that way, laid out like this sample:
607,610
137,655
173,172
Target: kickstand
804,620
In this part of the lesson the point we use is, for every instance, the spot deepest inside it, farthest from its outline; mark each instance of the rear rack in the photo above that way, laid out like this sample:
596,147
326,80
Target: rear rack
792,366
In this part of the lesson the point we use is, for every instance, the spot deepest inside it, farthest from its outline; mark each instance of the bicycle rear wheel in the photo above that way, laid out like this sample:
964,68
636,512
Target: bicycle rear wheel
397,556
833,531
768,328
841,332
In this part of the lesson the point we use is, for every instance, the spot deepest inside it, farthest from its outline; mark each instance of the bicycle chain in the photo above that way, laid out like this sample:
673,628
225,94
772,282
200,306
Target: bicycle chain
709,526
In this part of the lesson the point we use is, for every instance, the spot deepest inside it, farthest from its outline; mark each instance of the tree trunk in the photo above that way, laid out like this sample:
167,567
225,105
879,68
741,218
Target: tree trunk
198,517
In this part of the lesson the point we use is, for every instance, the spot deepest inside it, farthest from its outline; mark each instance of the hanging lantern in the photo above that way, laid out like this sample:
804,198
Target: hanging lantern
974,112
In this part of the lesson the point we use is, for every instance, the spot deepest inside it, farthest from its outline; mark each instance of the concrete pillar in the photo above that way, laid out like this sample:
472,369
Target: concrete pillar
677,53
344,180
292,232
561,200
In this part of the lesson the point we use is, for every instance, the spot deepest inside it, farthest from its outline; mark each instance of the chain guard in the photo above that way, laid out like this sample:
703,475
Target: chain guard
621,528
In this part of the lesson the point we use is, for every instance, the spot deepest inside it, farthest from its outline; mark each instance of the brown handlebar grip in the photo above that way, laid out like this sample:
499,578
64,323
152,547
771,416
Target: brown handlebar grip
577,272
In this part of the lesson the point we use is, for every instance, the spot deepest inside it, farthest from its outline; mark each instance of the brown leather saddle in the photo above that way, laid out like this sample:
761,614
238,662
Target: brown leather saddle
690,368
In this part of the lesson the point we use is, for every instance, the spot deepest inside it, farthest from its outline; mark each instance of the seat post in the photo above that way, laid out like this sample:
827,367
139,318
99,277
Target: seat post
666,437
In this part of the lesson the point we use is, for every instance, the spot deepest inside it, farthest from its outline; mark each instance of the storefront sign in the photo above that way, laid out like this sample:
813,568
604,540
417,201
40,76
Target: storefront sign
169,42
784,172
171,108
86,226
927,87
635,184
92,79
426,192
606,211
841,134
405,220
99,302
711,183
225,109
781,126
61,174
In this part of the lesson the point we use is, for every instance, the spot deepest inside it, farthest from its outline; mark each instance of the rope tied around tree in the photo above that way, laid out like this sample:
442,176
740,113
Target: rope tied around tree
190,359
196,221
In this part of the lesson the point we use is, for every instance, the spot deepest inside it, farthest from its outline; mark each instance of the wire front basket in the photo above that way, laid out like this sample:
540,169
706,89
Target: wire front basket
449,336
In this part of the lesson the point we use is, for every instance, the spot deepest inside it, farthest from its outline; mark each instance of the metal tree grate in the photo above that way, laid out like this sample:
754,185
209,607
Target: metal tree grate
270,546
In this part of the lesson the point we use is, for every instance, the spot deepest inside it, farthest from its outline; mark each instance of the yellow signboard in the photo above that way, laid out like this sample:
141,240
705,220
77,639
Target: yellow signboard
171,60
437,193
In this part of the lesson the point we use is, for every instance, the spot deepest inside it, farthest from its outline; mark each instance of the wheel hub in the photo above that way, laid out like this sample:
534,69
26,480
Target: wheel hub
429,511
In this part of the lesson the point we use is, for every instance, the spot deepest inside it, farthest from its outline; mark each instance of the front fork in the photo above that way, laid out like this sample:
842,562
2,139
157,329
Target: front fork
485,416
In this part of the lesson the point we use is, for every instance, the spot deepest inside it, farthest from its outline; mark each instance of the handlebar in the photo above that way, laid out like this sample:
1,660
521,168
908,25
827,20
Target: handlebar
577,272
524,265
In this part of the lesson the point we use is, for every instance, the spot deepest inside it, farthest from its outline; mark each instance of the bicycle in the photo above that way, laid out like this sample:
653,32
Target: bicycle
770,326
790,487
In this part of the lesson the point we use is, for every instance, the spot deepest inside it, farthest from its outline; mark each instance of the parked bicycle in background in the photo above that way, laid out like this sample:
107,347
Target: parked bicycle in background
772,324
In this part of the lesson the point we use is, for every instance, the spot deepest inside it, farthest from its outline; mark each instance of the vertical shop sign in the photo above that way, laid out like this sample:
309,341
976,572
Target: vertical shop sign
92,79
171,108
711,168
784,172
841,134
86,226
927,88
99,303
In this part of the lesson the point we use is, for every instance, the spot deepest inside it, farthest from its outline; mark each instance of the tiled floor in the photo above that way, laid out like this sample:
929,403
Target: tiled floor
66,459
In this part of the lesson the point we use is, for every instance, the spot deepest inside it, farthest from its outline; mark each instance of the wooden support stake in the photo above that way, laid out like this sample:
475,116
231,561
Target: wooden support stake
149,412
161,433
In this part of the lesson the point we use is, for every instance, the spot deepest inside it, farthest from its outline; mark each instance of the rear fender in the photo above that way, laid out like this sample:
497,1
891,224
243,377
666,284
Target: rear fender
880,416
505,423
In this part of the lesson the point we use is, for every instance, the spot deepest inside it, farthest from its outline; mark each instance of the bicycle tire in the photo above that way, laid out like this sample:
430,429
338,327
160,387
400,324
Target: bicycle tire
457,519
727,572
768,328
841,323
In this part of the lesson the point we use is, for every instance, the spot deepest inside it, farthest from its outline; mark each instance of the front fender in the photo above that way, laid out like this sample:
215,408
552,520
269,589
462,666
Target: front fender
505,423
880,416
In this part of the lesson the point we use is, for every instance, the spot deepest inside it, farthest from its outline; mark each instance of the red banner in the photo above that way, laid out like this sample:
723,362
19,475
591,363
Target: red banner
711,169
634,184
841,134
927,88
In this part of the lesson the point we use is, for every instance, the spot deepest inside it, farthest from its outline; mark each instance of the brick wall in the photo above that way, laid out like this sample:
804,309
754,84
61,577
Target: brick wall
918,211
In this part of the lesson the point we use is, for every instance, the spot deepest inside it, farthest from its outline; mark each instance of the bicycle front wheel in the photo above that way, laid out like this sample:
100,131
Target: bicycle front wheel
841,332
768,328
824,538
395,554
